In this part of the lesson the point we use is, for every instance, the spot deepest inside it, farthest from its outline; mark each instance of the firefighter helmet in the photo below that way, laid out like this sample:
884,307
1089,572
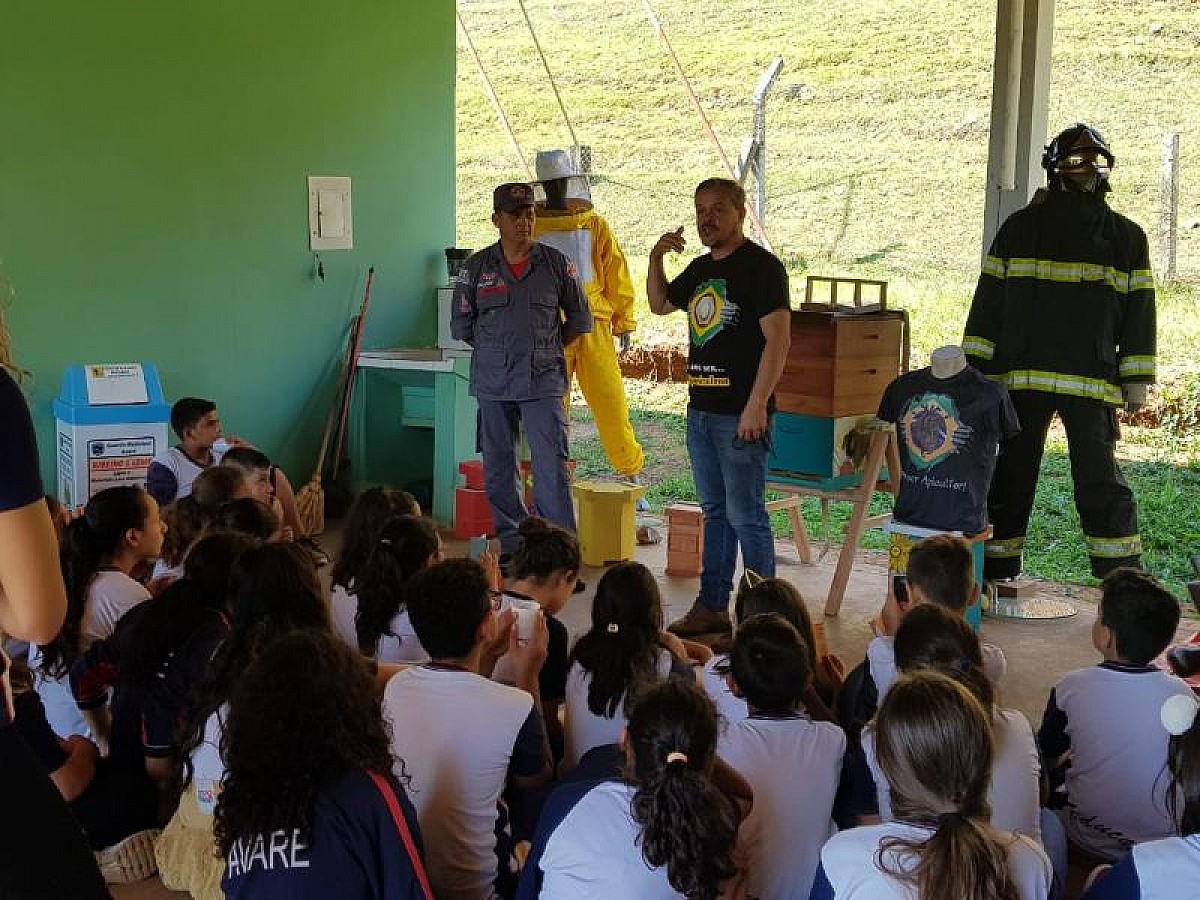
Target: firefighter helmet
1078,157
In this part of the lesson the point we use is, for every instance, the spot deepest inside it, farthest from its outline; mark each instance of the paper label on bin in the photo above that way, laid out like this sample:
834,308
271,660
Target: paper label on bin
118,461
109,385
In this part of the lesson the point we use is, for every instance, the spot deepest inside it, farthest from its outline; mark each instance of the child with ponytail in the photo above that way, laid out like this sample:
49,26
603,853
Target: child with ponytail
625,650
119,531
934,742
374,619
1165,867
666,831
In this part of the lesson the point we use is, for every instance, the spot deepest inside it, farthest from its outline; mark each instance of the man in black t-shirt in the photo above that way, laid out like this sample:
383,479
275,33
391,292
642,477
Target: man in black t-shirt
739,330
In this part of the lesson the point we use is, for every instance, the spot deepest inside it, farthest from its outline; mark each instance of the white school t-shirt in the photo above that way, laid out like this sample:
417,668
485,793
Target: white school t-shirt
794,765
595,852
208,768
848,860
1015,793
110,595
583,728
185,469
401,646
1164,867
453,734
730,707
882,657
1116,784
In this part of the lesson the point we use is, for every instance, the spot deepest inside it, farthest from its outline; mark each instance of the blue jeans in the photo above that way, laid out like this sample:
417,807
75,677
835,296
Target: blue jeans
731,478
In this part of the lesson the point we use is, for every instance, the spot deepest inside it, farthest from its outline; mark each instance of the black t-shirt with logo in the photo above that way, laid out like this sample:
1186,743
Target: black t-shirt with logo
724,300
950,430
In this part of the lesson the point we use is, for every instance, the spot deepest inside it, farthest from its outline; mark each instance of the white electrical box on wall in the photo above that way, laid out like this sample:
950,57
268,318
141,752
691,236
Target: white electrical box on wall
330,223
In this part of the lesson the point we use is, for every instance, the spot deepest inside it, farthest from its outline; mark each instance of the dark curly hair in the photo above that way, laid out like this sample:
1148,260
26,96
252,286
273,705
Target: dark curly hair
406,545
620,652
272,589
687,824
303,714
360,533
190,517
89,542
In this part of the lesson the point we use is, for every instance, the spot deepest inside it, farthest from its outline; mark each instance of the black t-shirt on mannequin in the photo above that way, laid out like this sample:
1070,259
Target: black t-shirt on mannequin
949,431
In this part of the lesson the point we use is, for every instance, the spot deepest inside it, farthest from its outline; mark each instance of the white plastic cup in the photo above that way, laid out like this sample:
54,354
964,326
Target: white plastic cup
527,612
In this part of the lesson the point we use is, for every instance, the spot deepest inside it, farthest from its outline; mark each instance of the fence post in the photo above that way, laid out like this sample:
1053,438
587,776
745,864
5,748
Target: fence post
1168,215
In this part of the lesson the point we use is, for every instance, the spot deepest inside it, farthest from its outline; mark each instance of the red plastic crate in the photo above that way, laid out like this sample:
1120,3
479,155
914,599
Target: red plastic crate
472,471
472,514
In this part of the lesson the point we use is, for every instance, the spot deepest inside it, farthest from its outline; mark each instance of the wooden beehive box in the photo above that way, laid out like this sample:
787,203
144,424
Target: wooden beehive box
841,358
685,540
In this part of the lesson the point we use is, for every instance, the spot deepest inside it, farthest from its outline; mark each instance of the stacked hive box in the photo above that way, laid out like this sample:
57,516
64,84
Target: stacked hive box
685,539
837,369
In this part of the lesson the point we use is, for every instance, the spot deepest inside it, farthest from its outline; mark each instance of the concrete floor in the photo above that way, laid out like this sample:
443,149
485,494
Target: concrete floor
1038,653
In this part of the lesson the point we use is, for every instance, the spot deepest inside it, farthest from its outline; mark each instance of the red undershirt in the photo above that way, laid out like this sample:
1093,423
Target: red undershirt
519,268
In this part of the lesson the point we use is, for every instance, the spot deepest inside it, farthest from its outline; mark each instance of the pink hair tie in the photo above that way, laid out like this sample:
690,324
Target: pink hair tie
677,756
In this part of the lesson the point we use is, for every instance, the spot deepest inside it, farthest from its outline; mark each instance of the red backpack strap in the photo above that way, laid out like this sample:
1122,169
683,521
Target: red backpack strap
393,805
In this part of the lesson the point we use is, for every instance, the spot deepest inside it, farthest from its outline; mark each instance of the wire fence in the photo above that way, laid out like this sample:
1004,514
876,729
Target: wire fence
877,131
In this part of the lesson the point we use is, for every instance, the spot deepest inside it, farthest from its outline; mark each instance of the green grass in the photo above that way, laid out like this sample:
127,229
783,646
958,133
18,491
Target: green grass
877,144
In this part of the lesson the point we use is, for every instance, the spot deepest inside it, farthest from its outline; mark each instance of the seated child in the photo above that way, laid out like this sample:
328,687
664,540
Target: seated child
327,818
250,517
262,477
934,742
792,763
940,570
1105,721
273,589
666,831
189,518
626,649
776,595
370,511
375,619
462,737
198,427
544,569
931,637
1161,868
117,810
119,531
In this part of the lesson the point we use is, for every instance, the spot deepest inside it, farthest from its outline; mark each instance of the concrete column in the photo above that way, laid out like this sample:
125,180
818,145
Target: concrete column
1020,93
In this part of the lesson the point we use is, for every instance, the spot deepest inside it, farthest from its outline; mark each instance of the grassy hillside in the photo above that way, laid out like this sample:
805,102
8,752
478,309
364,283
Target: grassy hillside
878,125
877,141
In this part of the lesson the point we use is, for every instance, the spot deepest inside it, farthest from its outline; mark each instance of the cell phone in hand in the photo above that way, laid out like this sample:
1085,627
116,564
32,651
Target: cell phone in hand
900,589
477,547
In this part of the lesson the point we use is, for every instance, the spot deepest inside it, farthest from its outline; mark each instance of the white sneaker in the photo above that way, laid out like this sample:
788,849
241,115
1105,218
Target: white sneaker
130,860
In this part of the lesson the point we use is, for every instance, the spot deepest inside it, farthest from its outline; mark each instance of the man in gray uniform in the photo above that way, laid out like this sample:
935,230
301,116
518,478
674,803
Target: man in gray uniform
519,303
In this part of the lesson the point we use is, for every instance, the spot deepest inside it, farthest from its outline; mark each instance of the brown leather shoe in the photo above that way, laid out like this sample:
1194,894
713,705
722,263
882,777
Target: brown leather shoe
701,620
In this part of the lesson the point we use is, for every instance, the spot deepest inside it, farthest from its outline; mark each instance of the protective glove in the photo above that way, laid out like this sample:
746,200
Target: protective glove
625,341
1135,396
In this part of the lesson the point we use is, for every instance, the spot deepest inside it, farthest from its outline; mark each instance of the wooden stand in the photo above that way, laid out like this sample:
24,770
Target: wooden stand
883,446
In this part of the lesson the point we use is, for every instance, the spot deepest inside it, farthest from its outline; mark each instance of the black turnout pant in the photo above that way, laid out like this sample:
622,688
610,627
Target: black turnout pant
1107,509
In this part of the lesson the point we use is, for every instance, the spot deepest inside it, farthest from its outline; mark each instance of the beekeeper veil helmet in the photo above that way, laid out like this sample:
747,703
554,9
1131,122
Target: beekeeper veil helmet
562,185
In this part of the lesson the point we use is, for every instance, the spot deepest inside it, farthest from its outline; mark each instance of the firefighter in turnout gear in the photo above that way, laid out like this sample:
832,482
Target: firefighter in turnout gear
1063,315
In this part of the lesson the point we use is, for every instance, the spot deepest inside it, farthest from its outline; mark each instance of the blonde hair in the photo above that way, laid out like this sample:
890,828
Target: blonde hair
6,357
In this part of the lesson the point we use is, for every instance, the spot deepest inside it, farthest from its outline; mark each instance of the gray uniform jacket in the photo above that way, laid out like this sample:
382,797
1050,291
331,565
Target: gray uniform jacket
518,326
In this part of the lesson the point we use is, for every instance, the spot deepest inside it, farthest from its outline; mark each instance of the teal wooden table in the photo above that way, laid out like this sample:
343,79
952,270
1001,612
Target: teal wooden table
428,390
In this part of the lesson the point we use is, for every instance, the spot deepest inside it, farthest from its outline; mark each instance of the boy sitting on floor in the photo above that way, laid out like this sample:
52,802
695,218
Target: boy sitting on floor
1102,723
201,445
461,738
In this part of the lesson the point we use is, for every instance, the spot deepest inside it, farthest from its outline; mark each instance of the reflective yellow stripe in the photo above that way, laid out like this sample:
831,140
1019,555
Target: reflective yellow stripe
1114,547
977,346
1136,365
1057,383
994,266
1006,548
1069,272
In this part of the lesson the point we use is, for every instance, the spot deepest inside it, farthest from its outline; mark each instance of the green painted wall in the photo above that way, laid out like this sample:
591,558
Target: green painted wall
153,202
